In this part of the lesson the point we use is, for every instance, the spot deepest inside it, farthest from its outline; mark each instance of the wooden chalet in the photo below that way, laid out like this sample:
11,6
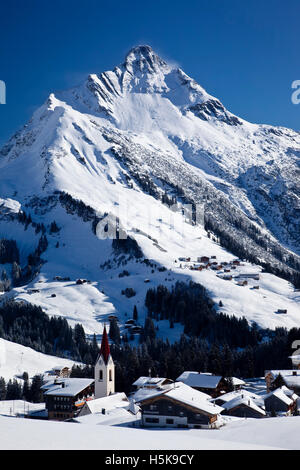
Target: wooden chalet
281,400
236,262
104,404
65,397
59,371
278,378
213,385
179,406
203,259
243,407
227,397
151,382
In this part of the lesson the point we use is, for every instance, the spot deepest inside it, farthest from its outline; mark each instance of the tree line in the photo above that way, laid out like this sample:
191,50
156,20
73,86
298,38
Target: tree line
28,390
27,324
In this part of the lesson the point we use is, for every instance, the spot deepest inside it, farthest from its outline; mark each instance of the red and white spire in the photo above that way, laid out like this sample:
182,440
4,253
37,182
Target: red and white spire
105,349
104,369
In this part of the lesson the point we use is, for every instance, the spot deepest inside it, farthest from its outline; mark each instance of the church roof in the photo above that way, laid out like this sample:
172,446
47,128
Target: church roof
105,349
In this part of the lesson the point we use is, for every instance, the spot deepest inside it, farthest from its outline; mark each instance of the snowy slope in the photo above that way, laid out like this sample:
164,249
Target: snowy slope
16,359
254,434
117,143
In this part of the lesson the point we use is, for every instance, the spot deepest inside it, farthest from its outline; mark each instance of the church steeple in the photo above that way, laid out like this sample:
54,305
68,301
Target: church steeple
105,349
104,369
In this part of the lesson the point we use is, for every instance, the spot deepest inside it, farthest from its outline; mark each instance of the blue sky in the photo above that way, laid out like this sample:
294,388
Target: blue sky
245,52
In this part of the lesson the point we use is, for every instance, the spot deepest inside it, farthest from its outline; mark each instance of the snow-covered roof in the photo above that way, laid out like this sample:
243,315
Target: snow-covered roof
149,381
199,379
237,381
282,372
189,396
113,417
143,392
280,394
289,393
72,386
237,393
243,400
117,400
291,376
292,381
60,367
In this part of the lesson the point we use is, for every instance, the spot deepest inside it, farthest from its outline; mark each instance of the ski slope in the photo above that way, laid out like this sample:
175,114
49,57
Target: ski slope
16,359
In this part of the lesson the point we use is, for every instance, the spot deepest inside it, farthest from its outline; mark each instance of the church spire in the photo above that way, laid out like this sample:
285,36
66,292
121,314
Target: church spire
104,370
105,349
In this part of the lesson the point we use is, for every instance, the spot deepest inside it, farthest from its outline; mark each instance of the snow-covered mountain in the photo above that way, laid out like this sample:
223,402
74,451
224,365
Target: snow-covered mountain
122,147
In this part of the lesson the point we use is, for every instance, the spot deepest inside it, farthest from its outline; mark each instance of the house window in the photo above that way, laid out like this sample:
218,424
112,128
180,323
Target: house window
170,407
110,375
153,407
100,375
152,420
169,421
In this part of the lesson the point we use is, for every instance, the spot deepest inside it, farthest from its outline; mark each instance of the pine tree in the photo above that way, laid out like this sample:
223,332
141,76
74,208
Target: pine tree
36,393
53,227
16,273
135,313
2,389
114,331
94,349
13,390
26,387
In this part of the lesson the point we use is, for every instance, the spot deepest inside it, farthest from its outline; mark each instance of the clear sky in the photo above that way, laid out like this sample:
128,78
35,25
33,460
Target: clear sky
245,52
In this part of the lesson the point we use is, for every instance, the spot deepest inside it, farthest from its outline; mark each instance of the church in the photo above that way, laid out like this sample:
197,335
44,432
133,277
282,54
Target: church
104,370
65,397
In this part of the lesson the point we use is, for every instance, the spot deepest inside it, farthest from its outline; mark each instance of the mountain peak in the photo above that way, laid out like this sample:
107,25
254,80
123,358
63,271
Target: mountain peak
144,59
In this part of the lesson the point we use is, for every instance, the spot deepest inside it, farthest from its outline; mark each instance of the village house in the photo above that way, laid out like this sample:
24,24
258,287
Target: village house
216,267
277,378
254,276
226,277
151,382
179,406
61,371
203,259
243,406
281,400
105,404
208,383
227,397
236,262
64,397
